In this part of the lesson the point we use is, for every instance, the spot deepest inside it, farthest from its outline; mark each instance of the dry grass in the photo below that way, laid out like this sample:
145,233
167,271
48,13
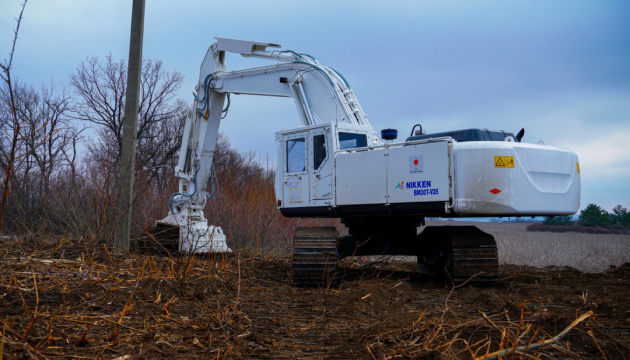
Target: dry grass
65,300
589,253
584,252
72,302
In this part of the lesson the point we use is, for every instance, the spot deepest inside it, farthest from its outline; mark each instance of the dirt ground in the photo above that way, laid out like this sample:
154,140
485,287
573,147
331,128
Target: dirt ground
60,302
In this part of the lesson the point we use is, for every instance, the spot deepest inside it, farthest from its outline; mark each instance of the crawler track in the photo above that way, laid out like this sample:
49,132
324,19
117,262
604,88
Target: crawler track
314,255
464,254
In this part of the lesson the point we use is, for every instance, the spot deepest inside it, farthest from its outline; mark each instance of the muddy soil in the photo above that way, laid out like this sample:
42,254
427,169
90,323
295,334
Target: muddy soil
78,305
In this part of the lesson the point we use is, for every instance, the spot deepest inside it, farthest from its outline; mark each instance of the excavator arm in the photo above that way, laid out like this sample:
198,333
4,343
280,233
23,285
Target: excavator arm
320,93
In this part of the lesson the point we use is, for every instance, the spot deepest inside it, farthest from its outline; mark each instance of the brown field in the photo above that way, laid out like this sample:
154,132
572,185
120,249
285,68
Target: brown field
63,301
584,252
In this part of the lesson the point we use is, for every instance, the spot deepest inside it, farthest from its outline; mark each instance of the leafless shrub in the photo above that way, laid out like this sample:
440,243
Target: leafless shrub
83,208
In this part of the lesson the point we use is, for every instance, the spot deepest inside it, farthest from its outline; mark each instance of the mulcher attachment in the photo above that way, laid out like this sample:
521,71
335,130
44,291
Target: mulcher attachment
314,255
463,254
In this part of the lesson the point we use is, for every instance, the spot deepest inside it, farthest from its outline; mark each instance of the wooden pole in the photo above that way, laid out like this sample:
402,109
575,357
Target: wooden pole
130,129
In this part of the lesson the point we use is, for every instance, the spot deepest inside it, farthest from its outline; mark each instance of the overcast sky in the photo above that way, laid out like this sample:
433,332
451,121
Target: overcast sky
561,69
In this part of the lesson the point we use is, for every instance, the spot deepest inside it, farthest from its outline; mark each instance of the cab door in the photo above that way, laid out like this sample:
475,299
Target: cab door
295,168
321,167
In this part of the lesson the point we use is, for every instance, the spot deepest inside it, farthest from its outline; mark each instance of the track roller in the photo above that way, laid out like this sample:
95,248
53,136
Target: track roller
462,254
314,255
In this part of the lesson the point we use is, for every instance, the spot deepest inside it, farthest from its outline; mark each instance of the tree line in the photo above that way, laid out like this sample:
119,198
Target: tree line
59,152
595,216
67,141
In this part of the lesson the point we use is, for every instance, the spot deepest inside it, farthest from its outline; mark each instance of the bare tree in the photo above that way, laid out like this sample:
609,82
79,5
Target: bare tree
6,68
101,85
160,144
51,132
46,147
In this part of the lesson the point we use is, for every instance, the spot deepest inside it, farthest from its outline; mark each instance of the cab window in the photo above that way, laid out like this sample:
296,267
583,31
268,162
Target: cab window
319,151
296,155
352,140
497,136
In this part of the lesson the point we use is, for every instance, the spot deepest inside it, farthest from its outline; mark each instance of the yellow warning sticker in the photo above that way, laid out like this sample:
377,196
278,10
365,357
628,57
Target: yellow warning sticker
504,161
578,167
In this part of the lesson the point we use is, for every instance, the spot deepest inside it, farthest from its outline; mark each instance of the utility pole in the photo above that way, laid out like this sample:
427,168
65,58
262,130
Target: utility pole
130,130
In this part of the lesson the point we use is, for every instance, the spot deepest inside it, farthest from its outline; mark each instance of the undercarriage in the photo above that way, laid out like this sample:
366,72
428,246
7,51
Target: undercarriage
459,255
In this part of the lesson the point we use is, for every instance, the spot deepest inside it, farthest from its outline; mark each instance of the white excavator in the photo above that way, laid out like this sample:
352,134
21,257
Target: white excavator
334,165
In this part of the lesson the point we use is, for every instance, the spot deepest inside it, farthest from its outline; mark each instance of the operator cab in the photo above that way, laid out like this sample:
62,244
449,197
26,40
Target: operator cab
306,163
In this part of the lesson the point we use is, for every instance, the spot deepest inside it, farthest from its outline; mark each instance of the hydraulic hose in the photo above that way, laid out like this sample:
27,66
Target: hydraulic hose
184,193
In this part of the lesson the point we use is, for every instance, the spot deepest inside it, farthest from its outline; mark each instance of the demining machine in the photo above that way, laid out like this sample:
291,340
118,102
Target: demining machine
334,165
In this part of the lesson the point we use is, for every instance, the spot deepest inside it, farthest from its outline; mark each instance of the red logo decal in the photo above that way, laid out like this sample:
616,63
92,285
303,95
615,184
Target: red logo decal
495,191
415,162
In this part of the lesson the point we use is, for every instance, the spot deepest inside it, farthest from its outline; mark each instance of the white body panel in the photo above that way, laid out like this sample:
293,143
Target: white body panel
361,177
418,173
543,181
390,174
